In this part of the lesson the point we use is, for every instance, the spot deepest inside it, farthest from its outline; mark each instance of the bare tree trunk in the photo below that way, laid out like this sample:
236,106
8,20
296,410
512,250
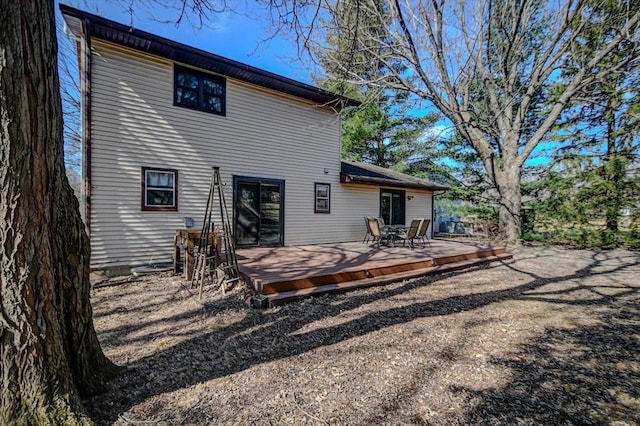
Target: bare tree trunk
506,177
508,185
49,349
486,65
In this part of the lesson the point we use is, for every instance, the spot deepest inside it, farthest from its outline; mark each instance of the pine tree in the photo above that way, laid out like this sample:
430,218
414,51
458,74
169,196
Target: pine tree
604,125
383,131
592,179
489,66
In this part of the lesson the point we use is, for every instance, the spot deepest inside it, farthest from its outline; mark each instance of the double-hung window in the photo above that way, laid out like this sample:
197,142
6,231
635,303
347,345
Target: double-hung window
159,189
323,198
197,90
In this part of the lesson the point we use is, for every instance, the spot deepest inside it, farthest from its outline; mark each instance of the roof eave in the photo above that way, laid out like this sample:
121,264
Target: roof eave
366,180
150,43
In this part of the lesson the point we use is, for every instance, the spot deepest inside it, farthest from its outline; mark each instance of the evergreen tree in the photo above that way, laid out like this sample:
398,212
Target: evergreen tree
489,66
604,126
373,135
383,131
592,179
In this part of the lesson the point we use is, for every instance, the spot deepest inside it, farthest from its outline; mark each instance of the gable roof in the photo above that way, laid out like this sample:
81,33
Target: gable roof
364,173
84,24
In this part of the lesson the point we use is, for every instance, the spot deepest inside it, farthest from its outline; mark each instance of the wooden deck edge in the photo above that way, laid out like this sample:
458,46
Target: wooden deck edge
291,295
483,253
363,272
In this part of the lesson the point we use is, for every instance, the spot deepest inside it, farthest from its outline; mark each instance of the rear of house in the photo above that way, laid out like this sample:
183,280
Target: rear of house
158,115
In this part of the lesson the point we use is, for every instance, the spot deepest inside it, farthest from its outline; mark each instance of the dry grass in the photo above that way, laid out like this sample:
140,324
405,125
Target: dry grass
551,337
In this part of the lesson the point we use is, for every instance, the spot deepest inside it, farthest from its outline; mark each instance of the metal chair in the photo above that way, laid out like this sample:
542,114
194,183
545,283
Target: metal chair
422,232
376,232
411,233
368,234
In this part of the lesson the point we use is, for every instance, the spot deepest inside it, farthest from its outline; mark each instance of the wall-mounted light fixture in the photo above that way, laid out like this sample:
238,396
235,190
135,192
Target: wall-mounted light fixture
326,171
409,197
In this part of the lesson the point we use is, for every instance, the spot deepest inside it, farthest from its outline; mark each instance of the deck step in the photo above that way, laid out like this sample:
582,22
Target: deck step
447,265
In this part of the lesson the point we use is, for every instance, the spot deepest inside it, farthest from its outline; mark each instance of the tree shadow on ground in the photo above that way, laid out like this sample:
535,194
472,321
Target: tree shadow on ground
262,337
587,375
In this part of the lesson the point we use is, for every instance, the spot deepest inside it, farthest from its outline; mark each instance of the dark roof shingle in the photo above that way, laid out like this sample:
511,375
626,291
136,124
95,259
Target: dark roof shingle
357,172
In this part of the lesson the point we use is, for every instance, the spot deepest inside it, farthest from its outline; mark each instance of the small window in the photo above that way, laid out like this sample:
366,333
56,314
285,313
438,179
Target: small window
323,198
159,189
196,90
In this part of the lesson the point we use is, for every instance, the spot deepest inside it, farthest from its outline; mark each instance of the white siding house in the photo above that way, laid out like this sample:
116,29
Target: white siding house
158,115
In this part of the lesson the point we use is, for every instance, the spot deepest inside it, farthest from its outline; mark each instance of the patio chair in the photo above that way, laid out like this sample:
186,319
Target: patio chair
411,233
422,232
368,234
376,232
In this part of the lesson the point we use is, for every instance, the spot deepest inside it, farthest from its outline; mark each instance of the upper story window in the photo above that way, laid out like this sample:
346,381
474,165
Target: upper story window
197,90
159,189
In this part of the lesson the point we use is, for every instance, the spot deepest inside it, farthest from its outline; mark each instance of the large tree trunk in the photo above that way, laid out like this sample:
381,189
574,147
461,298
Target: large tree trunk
49,349
508,184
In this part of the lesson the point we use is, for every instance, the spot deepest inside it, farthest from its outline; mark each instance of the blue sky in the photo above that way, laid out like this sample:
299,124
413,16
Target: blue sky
243,35
238,35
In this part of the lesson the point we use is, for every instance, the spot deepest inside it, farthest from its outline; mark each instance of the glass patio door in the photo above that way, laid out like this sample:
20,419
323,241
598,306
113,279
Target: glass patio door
270,212
259,211
392,206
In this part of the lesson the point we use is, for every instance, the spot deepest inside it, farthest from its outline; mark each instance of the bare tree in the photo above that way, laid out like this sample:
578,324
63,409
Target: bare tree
492,67
49,351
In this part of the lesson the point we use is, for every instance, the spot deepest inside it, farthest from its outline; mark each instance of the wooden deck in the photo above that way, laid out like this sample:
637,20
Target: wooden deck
296,271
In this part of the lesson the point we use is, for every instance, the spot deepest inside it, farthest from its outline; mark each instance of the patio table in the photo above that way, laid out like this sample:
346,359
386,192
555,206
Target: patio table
394,231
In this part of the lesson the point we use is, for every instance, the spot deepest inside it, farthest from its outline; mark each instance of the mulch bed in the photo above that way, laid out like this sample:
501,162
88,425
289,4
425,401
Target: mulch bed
551,337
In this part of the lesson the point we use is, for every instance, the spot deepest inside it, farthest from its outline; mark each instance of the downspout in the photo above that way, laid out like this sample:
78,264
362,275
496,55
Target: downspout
85,79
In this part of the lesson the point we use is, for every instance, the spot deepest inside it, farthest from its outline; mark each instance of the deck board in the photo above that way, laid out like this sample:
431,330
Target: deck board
292,271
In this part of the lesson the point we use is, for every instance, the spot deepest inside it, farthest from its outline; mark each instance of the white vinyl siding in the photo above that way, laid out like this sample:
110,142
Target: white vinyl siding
263,134
421,206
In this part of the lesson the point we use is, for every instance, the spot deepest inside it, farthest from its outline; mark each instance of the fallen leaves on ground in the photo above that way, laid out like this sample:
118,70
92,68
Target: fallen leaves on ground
548,338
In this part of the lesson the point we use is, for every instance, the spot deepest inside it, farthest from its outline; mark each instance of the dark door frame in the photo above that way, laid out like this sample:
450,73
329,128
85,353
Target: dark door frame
403,195
258,180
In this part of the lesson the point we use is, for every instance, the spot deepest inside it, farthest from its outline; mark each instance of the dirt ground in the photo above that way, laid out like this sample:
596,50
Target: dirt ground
552,337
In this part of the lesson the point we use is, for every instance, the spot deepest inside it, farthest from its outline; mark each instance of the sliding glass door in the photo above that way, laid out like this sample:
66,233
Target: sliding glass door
259,211
270,215
392,206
